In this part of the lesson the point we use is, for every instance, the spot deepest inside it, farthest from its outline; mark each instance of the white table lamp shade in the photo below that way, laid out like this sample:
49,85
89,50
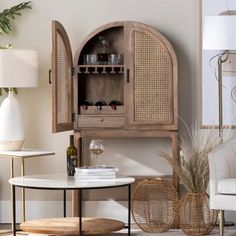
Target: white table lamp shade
219,32
18,69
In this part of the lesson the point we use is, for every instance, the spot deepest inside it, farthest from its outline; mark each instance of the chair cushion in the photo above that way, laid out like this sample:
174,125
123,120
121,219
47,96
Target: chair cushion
227,186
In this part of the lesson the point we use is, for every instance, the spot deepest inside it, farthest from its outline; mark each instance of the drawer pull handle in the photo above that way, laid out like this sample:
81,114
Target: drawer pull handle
127,75
102,120
49,76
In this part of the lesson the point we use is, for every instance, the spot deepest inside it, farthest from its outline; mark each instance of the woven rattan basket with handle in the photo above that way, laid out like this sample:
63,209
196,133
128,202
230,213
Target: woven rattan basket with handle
154,205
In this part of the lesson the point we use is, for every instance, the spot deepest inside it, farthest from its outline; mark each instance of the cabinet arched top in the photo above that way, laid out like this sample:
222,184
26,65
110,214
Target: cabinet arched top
124,24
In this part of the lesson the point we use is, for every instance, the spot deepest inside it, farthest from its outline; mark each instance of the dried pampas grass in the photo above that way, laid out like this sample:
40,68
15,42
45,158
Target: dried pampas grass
192,168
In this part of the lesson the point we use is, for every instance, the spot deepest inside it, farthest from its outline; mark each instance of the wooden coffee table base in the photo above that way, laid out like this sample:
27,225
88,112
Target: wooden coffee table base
70,226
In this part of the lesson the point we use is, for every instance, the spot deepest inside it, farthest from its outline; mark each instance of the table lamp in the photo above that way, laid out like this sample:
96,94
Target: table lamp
18,69
219,33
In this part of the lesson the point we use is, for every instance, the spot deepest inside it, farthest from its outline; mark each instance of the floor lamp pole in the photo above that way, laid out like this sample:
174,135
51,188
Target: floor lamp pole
221,60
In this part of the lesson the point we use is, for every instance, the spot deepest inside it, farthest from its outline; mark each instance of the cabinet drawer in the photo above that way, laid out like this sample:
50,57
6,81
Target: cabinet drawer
100,121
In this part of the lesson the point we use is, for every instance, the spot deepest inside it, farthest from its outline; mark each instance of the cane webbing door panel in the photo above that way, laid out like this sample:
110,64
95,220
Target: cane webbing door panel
62,84
151,80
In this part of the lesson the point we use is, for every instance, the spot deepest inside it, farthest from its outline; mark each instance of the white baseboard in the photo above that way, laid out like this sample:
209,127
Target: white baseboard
48,209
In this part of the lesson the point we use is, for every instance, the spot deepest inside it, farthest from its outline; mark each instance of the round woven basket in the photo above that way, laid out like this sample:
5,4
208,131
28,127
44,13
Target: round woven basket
154,205
195,216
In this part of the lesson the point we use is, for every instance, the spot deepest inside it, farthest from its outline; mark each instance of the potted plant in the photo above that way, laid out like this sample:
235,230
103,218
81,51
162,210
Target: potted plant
194,214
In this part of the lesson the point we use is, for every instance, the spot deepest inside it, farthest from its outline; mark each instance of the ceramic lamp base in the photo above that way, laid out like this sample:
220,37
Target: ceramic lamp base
11,145
11,124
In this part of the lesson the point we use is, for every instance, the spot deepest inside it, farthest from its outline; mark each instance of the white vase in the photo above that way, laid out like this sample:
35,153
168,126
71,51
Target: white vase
11,124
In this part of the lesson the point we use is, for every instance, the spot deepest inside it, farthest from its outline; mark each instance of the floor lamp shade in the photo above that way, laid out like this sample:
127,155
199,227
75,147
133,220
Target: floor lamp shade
18,69
219,32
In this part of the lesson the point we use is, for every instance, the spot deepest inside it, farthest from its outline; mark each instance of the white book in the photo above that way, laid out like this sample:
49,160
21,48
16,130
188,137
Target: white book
95,180
77,177
107,173
95,169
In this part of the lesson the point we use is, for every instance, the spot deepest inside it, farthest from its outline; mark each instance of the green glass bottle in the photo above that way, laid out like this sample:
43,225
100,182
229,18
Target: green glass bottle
71,153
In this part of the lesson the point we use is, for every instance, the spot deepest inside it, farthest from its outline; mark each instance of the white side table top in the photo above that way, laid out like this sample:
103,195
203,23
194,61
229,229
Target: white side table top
62,181
25,153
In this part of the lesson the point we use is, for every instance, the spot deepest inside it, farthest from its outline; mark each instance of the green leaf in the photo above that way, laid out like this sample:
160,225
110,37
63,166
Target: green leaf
9,14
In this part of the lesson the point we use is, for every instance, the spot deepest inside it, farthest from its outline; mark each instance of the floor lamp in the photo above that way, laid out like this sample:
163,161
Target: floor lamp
219,33
18,69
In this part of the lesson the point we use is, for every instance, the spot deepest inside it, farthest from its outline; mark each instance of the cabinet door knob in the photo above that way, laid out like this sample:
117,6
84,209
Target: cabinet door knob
127,75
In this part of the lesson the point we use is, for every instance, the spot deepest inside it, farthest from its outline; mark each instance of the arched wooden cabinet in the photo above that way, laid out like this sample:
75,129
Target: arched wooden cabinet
145,83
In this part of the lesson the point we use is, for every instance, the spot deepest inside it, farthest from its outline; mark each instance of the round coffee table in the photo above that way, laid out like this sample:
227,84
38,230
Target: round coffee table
63,182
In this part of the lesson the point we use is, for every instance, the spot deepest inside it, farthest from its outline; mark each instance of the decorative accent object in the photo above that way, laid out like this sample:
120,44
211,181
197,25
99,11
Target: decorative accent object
18,68
193,171
9,14
154,204
219,34
71,157
194,214
96,147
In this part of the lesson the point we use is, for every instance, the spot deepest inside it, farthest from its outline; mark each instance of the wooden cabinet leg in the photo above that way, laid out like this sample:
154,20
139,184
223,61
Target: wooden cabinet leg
75,207
175,151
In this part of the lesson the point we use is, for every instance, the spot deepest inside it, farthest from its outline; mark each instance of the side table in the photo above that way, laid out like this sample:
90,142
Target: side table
22,155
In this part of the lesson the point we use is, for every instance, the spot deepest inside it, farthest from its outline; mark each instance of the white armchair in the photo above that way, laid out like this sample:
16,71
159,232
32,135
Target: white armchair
222,166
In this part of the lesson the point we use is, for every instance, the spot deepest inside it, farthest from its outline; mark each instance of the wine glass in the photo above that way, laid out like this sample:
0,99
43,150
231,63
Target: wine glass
96,147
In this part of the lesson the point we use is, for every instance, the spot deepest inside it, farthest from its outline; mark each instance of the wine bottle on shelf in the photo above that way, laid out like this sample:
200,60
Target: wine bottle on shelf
71,153
99,104
85,103
114,103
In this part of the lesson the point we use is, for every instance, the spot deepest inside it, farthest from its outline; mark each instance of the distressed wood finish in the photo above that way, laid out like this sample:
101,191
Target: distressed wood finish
63,86
172,123
95,82
70,226
89,122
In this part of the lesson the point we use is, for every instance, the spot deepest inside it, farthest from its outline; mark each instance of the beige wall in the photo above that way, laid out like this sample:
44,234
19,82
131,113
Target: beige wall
176,19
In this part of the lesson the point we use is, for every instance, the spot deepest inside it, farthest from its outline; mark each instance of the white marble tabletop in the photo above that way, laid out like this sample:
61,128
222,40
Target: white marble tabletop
62,181
25,153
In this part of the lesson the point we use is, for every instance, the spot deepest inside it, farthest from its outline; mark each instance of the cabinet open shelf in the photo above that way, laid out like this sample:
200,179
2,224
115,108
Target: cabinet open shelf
106,110
97,69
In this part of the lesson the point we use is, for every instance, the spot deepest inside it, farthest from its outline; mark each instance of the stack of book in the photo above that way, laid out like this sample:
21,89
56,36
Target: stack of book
95,173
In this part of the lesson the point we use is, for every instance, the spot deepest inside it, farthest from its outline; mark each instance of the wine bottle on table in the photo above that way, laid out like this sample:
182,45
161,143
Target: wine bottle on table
71,153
